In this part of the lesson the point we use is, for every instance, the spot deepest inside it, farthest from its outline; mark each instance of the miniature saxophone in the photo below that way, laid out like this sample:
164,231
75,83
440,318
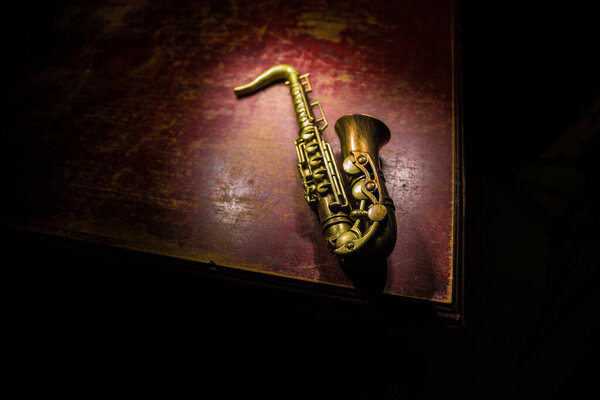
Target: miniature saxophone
355,229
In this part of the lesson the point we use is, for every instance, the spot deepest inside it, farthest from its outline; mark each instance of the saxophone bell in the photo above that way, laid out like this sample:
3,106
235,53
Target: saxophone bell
361,136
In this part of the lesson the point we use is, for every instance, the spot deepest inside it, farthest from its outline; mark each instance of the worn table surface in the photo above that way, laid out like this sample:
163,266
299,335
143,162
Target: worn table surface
127,131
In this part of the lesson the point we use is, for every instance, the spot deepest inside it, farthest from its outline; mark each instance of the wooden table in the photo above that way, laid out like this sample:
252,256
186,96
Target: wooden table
124,131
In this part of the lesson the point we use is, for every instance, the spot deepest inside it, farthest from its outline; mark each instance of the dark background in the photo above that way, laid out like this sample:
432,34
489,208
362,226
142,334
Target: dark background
84,319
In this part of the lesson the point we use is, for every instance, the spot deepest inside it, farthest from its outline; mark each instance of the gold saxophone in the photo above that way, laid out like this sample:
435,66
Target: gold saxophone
357,229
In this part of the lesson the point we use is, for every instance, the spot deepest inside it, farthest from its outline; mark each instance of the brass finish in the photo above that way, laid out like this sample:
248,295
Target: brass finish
364,226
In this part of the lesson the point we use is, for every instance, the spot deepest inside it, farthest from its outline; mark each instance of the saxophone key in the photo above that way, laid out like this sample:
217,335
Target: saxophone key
319,173
312,147
324,187
316,160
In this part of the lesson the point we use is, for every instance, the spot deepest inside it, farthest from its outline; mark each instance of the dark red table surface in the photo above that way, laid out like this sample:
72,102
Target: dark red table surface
128,133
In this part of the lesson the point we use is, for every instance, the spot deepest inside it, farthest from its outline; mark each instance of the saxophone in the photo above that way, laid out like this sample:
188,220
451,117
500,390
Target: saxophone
356,230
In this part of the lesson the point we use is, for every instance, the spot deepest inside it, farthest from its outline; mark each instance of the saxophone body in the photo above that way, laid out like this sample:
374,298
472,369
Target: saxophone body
357,227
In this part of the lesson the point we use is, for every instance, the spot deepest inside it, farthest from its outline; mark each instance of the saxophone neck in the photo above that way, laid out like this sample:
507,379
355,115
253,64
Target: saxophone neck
299,85
273,74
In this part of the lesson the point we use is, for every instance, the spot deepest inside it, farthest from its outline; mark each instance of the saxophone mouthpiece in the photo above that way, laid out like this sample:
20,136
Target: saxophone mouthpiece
243,90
